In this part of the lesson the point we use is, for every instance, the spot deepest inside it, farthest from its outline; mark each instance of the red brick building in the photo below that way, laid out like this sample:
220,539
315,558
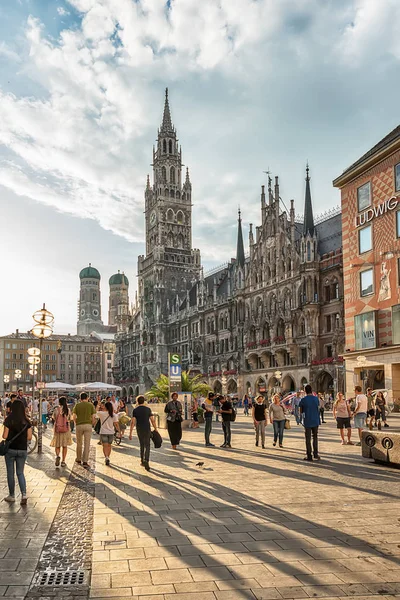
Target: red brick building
370,193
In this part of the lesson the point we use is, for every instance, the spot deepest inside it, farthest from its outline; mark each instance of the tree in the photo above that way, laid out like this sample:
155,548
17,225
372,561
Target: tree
189,384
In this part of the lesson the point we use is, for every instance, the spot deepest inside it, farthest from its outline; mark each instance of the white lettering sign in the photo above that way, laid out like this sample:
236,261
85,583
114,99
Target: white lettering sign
376,211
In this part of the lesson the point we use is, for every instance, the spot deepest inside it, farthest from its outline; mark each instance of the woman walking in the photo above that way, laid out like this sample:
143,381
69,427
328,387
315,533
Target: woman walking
18,431
259,414
342,414
277,418
62,431
195,417
108,424
174,420
380,410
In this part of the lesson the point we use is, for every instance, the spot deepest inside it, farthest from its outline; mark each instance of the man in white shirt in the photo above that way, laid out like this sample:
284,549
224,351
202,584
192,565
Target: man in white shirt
45,410
360,411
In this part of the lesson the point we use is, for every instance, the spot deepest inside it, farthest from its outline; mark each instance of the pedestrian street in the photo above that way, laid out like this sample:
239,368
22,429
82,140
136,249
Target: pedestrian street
248,523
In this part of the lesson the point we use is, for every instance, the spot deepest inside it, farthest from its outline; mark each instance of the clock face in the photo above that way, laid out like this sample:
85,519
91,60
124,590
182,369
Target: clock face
153,217
95,312
82,312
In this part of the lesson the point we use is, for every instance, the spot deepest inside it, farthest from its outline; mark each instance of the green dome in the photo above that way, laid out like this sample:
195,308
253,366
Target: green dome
89,273
118,279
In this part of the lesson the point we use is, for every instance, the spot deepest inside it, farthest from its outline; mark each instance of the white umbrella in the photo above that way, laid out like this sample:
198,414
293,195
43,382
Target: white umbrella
58,386
98,386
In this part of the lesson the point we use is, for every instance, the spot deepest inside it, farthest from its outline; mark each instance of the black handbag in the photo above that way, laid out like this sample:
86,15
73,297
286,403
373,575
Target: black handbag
5,444
157,439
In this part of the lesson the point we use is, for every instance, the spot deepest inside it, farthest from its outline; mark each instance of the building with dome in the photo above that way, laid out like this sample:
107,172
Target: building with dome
89,303
118,306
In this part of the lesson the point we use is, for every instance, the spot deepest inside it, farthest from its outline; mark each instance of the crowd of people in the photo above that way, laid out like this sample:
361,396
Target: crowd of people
108,417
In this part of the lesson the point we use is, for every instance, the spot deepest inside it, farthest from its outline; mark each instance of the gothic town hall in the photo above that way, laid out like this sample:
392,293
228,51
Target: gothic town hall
271,320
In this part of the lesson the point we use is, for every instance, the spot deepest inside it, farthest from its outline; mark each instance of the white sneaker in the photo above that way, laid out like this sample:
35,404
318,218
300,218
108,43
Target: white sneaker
9,499
344,443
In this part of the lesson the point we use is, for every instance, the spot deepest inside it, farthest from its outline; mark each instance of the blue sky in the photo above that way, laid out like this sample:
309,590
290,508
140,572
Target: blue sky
254,84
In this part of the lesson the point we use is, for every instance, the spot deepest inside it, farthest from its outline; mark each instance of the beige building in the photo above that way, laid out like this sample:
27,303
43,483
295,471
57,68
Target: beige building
70,358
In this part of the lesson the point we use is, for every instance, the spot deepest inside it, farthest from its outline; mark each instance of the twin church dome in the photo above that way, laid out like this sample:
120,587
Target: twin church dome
92,273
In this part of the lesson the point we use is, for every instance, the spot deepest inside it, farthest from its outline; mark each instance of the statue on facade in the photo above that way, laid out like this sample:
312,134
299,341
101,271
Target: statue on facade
385,292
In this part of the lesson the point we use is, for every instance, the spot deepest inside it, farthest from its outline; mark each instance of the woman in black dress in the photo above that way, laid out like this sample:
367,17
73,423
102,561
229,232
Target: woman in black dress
174,420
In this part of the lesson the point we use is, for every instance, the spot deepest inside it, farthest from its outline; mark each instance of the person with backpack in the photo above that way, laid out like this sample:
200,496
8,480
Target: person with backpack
142,417
17,431
228,415
108,424
62,430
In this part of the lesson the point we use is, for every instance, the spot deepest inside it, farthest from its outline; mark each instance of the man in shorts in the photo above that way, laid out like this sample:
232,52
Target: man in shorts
360,411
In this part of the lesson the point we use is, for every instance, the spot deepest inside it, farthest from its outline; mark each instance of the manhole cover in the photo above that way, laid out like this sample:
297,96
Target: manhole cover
61,578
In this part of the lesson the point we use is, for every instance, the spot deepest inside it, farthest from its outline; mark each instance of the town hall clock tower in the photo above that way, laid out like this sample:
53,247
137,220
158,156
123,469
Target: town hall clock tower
171,265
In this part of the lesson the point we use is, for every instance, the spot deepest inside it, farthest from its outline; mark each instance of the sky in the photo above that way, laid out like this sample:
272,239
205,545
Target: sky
254,85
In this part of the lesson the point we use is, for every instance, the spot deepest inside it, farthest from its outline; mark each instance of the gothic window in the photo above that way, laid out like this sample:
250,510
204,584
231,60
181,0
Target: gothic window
308,251
170,240
172,175
302,328
164,146
167,193
183,196
170,215
180,217
163,174
180,241
221,322
280,330
172,194
208,326
170,146
178,195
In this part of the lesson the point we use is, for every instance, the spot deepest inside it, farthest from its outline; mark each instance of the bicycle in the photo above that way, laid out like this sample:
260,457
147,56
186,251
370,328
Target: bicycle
32,444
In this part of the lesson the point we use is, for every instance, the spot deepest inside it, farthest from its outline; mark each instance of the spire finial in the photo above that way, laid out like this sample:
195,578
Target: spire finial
166,125
308,211
307,171
240,245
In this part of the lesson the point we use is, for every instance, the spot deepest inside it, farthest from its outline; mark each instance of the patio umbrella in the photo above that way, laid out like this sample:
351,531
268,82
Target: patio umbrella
98,386
58,386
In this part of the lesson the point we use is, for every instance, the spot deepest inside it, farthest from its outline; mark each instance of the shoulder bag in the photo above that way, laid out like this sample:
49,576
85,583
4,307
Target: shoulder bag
5,444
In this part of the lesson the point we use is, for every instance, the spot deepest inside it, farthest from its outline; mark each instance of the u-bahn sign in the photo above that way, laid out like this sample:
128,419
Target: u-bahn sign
174,372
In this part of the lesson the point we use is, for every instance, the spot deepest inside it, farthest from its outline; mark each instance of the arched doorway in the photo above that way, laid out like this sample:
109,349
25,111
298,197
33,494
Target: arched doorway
123,392
248,388
303,382
232,387
273,385
288,384
324,382
137,391
130,392
217,387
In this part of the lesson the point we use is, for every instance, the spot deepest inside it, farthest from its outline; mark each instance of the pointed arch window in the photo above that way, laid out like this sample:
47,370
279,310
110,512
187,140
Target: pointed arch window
163,173
308,251
164,146
170,150
172,175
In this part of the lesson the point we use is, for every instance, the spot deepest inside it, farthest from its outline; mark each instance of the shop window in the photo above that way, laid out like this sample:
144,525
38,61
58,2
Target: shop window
364,196
365,330
365,239
397,177
367,282
396,324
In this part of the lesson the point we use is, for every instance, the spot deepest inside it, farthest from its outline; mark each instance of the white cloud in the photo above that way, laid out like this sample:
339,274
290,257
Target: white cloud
82,145
62,11
7,53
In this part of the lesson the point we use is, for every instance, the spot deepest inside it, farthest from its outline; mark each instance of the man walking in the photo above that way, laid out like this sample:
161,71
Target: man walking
360,411
84,416
226,411
142,417
309,407
208,408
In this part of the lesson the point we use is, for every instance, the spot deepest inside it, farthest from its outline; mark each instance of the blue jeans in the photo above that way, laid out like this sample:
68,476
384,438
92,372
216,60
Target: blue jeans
279,428
17,458
297,414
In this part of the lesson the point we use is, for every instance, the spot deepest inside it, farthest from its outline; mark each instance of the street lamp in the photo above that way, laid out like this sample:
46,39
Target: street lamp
6,381
42,329
17,376
278,376
33,360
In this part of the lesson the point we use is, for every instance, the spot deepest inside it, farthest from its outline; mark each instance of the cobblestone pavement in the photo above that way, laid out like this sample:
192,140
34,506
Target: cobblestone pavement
250,523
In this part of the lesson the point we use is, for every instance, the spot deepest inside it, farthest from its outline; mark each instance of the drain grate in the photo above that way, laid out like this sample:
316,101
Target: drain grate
61,578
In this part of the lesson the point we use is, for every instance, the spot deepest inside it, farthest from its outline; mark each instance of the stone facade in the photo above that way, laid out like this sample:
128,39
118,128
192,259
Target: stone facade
272,320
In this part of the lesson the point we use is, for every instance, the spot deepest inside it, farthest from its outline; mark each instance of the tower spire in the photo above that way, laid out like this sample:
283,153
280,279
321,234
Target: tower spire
166,125
308,211
240,245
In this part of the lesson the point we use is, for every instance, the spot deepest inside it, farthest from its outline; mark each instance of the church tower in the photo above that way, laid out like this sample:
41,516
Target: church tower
170,266
89,304
118,307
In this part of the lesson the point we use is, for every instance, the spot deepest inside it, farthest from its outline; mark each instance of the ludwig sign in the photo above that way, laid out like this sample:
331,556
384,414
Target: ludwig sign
376,211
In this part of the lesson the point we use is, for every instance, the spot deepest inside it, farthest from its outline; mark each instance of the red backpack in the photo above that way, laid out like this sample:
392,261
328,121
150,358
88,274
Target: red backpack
61,424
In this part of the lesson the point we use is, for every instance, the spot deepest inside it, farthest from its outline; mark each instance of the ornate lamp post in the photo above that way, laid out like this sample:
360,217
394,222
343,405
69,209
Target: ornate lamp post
278,377
6,381
42,329
33,360
17,376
